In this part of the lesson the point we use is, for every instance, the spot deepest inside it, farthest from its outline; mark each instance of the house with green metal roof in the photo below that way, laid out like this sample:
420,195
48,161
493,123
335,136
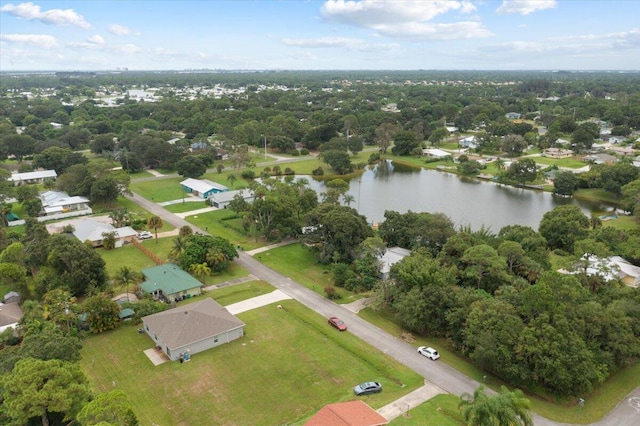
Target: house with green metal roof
170,283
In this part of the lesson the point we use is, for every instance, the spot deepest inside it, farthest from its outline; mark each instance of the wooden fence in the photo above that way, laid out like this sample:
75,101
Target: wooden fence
148,252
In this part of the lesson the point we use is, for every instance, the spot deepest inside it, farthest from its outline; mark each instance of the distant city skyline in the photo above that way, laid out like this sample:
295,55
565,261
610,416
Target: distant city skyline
320,35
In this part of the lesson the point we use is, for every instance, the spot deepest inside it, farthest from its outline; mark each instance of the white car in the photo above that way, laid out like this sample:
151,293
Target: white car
430,353
144,235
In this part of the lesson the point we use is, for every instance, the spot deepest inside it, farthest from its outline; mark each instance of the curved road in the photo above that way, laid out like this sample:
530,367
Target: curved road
627,413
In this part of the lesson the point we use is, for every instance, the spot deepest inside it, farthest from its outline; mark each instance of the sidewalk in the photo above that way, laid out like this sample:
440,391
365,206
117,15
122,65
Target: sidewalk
272,246
358,305
410,401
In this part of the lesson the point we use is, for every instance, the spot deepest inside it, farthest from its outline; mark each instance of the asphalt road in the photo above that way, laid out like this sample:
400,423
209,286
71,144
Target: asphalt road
627,413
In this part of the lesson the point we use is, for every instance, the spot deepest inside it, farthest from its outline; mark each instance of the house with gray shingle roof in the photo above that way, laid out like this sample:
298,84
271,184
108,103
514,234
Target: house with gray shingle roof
192,328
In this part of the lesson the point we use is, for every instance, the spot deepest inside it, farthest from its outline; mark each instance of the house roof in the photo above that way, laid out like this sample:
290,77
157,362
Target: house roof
60,199
185,325
435,152
202,186
42,174
92,230
126,313
352,413
392,256
169,278
227,196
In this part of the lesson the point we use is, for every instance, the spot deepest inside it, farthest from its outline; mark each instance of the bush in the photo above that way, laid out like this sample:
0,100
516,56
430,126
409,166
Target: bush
331,293
374,158
304,151
248,174
318,172
289,171
295,153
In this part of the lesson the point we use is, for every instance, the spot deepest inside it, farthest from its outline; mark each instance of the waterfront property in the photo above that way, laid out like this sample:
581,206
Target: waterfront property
186,330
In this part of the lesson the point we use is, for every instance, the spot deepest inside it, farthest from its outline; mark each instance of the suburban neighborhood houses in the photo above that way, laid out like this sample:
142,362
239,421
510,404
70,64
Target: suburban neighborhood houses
251,245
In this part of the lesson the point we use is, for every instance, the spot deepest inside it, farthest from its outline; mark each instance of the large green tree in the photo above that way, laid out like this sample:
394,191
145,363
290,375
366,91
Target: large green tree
37,388
111,408
564,225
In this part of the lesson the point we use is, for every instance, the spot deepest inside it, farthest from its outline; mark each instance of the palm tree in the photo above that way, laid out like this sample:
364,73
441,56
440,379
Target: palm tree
201,269
126,276
232,179
154,223
505,409
179,246
348,199
500,164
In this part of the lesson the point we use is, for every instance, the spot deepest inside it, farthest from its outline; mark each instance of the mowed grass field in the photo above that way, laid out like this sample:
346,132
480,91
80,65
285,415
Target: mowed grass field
288,366
299,264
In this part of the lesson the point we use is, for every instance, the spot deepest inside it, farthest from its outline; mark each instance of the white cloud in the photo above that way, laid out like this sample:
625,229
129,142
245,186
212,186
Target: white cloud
34,39
96,39
405,19
60,17
525,7
453,31
120,30
338,42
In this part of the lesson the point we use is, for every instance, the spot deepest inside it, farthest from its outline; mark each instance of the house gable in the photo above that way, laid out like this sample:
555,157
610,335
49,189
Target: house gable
168,279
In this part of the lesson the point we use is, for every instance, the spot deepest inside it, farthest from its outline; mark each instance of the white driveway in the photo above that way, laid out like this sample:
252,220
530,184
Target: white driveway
256,302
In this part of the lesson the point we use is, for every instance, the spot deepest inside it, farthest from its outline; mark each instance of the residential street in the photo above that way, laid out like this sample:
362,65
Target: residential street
627,413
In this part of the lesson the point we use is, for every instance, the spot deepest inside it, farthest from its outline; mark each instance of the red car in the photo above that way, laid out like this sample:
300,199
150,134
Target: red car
337,323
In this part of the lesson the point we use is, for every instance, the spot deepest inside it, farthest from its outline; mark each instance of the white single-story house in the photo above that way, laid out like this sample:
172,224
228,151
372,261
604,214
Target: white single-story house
202,187
600,158
561,141
222,199
611,268
93,231
513,116
169,282
192,328
435,153
32,177
468,142
60,202
392,256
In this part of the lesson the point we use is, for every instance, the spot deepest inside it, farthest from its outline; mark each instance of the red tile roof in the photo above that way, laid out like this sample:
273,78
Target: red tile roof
352,413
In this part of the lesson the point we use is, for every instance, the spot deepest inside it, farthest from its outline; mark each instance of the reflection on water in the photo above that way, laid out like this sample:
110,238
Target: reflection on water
389,186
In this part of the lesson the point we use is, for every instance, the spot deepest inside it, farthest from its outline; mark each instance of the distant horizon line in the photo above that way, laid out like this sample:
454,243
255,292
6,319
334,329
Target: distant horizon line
196,70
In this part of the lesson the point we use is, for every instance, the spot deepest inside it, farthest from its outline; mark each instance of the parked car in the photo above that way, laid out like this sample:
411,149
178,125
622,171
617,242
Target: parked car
338,323
430,353
367,388
144,235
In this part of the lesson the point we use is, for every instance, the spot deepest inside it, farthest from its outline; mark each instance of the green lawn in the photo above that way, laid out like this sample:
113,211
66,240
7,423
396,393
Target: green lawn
128,255
288,366
297,263
159,190
186,207
572,162
219,223
441,410
239,292
596,194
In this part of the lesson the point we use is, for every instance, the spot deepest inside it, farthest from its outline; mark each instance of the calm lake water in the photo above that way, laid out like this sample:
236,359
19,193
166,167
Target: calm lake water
465,201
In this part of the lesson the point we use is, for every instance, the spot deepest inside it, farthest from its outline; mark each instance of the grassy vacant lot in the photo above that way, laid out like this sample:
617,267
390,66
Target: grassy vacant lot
441,410
239,292
128,255
186,206
223,223
296,262
596,194
571,163
159,190
258,379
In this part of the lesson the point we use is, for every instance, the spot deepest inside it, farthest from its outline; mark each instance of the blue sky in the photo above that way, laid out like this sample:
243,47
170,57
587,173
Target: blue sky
316,35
